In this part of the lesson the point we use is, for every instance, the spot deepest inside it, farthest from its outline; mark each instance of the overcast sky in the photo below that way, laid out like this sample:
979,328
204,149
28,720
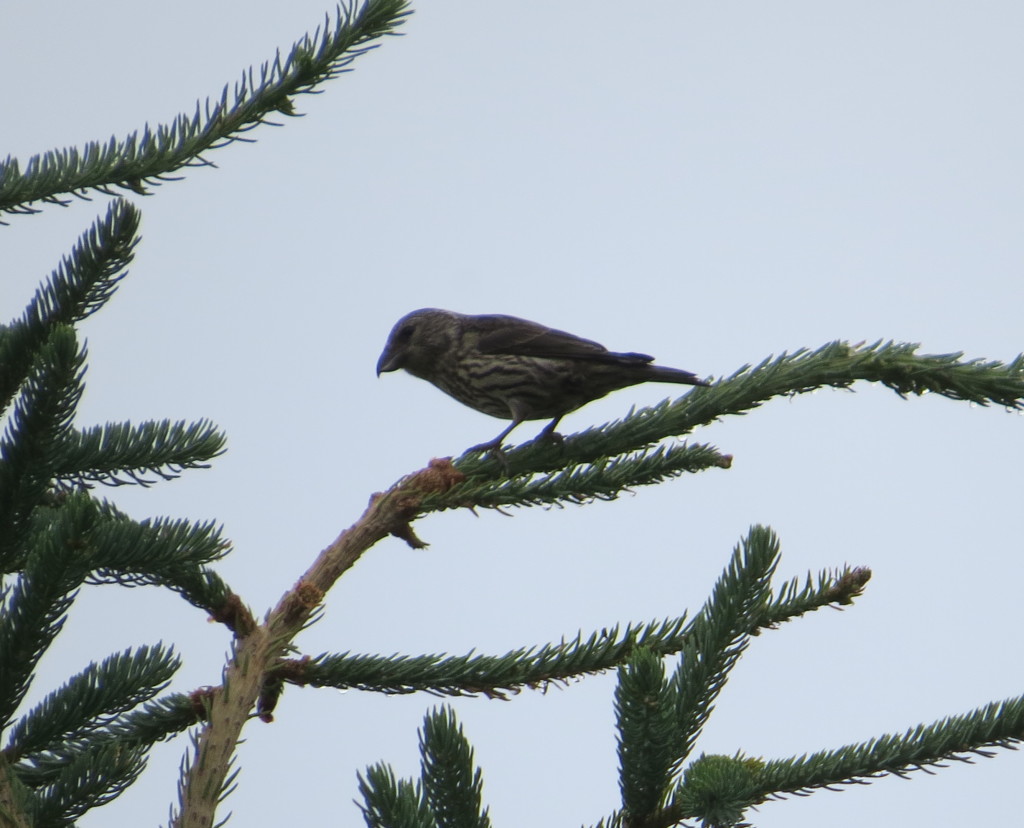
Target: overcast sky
707,182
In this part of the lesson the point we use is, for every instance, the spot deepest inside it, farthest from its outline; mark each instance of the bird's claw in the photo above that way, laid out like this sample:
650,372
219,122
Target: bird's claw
494,449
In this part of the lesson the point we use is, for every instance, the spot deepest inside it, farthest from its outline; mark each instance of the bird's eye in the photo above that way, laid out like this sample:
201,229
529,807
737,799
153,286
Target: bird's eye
406,331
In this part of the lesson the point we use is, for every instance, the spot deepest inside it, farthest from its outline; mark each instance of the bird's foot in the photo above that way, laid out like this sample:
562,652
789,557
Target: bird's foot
490,445
494,449
548,433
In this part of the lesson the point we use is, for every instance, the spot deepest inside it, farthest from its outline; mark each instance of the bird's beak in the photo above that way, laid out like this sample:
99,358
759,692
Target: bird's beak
388,362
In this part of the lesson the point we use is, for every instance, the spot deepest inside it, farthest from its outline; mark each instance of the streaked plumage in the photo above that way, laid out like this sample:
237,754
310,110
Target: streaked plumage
512,368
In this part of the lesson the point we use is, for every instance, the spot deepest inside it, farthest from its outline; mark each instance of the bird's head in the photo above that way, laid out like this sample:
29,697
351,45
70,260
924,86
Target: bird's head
417,341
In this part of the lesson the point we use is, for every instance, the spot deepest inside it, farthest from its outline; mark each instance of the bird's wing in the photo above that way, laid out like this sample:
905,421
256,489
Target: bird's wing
510,335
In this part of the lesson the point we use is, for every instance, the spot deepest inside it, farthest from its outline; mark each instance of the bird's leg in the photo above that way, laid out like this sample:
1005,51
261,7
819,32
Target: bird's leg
549,433
494,446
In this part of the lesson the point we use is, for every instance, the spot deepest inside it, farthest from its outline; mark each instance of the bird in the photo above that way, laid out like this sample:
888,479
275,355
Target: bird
512,368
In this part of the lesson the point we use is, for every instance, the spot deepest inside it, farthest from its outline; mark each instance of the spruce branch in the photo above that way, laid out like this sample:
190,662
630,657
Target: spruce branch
834,590
658,719
154,721
124,550
256,652
83,281
205,589
40,421
32,610
92,779
715,789
719,789
121,453
558,663
154,155
720,632
955,738
78,542
180,551
836,365
492,676
449,793
898,366
648,734
604,479
90,700
112,548
389,802
451,781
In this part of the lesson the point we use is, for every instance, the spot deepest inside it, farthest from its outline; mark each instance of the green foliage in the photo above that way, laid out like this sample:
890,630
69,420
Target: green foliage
718,789
87,740
393,803
84,743
34,607
145,725
602,462
452,783
605,478
999,724
660,718
39,423
152,156
494,676
87,701
81,284
121,453
91,779
721,631
649,734
449,794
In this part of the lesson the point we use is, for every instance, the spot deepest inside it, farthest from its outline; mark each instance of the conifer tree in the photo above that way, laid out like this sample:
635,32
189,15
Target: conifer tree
87,740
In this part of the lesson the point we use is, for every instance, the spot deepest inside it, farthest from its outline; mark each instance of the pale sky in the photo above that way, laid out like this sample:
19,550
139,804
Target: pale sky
710,183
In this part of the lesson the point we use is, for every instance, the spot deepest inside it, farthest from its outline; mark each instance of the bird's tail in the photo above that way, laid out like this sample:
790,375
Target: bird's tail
659,373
